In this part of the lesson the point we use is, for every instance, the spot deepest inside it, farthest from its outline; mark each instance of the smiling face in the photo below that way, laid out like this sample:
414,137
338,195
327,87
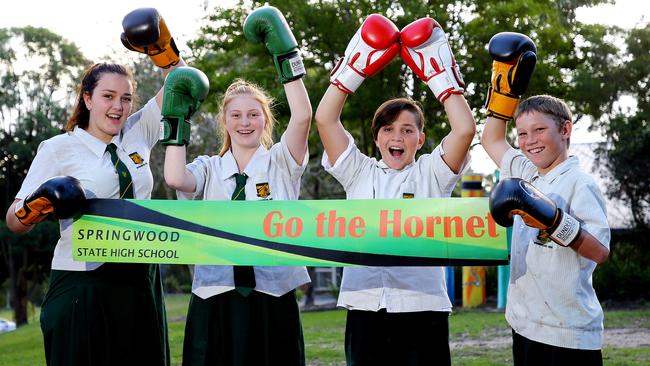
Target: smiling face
399,141
244,122
109,105
541,140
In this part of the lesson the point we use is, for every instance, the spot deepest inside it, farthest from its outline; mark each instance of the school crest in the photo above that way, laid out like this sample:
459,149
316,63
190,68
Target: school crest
408,195
137,159
263,190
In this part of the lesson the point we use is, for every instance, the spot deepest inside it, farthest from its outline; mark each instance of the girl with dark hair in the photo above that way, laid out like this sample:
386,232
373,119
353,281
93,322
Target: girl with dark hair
98,313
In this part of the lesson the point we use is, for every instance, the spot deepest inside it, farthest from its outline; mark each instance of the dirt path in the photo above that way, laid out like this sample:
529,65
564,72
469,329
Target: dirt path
619,338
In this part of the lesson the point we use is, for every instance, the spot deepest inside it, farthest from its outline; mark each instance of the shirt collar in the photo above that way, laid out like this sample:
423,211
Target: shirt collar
563,167
229,164
388,169
97,146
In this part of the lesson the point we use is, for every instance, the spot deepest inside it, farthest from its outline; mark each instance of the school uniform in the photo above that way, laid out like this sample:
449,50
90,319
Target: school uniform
223,326
101,313
551,299
395,313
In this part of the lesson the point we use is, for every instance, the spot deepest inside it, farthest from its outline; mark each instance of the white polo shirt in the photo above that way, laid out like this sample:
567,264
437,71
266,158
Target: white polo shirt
551,299
215,181
83,156
397,289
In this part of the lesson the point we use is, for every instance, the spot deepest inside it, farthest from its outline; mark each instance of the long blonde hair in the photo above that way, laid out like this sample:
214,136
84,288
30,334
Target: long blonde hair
240,88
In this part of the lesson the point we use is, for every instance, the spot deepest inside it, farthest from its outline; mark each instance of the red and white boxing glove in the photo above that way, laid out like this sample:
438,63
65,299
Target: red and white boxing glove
372,48
426,51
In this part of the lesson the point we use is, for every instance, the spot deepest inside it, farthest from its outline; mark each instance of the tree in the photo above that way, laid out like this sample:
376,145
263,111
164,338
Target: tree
38,70
565,65
625,156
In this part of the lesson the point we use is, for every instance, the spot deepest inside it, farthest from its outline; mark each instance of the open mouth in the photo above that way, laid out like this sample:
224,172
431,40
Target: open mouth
396,152
536,150
114,117
245,132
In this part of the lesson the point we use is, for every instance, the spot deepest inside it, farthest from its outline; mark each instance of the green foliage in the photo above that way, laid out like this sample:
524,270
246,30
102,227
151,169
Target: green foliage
625,272
37,82
624,156
569,55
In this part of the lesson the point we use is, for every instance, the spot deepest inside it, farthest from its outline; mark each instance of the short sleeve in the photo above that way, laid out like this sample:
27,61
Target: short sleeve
349,166
515,165
43,167
282,159
198,168
435,169
147,119
589,207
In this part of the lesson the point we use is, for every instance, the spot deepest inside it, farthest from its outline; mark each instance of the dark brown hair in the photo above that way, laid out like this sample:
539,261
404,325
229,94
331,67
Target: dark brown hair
80,114
390,109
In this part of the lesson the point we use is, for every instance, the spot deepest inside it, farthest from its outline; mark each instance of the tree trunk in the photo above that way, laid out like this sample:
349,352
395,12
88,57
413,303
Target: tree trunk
18,287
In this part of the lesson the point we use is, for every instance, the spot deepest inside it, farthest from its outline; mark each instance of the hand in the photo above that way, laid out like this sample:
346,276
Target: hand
61,196
514,56
267,24
145,31
426,51
372,48
514,196
184,90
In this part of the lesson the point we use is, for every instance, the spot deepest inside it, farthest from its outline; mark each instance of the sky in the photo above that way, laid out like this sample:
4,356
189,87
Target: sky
95,27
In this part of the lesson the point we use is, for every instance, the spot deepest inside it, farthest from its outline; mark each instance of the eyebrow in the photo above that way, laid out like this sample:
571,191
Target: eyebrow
114,92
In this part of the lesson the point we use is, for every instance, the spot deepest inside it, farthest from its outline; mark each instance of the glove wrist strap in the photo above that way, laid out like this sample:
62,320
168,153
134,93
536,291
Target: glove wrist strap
566,231
501,106
168,57
444,84
289,66
175,131
347,79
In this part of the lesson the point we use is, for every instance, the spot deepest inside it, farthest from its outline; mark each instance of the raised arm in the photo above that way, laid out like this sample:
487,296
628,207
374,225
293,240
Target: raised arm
145,31
328,122
184,91
425,49
267,25
514,58
372,48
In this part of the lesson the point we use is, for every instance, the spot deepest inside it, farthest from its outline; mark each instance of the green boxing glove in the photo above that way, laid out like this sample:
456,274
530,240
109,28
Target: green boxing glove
267,24
185,89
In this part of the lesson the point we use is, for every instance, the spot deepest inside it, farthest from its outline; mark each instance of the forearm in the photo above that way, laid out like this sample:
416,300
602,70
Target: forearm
493,139
463,129
176,175
328,121
300,121
589,247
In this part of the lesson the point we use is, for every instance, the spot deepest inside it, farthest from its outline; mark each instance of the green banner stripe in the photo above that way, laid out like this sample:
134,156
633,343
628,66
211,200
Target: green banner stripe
124,209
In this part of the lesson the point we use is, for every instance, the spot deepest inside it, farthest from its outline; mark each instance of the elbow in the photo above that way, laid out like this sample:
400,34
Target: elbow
173,182
602,256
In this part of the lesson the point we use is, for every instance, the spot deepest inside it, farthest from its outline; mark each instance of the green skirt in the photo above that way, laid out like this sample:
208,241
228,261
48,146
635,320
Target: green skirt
114,315
230,329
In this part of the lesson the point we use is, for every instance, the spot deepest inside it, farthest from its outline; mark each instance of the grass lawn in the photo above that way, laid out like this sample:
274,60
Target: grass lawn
324,337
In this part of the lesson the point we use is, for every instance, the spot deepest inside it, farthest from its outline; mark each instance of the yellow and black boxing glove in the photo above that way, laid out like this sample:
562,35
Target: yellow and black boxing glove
63,197
514,56
145,31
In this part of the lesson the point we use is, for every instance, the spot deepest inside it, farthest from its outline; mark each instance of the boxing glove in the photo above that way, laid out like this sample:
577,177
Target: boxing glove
514,56
514,196
145,31
372,48
61,196
184,90
267,24
426,51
